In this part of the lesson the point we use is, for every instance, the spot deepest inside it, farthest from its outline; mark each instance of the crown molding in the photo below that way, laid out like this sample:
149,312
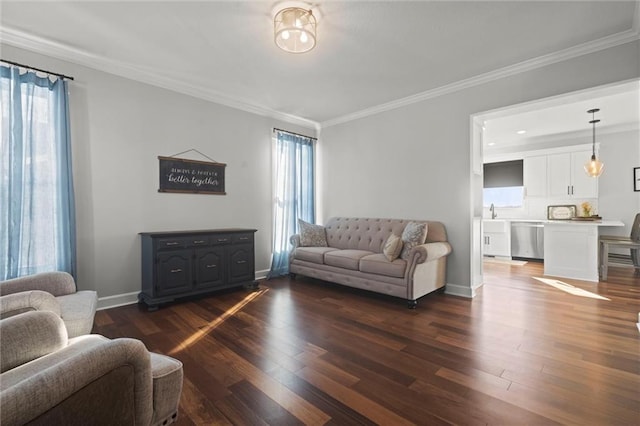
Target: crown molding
61,51
528,65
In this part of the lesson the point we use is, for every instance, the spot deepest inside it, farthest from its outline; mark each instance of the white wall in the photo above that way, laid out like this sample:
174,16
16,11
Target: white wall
620,153
119,127
414,162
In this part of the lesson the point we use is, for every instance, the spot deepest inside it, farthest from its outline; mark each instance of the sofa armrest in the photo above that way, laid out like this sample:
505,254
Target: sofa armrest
57,283
295,241
104,383
17,303
28,336
430,251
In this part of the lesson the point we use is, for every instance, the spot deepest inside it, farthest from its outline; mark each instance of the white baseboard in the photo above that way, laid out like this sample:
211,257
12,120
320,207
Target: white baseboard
116,300
460,290
124,299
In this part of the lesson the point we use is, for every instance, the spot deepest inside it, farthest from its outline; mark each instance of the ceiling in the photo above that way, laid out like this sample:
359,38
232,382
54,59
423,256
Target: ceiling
368,53
564,118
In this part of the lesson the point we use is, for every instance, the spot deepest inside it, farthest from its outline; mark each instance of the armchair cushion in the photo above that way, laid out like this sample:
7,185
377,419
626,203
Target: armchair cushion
77,311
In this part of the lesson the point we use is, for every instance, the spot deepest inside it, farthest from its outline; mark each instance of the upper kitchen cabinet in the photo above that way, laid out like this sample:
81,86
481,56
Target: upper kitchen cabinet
535,176
566,176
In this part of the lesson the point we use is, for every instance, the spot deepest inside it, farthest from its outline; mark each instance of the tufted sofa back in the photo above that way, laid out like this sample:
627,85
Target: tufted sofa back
358,233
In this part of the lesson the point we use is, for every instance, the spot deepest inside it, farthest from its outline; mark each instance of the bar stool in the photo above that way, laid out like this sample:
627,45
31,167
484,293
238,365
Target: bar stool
612,241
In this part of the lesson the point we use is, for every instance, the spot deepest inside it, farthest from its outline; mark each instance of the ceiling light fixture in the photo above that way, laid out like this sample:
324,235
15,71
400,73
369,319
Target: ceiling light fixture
521,132
594,166
295,29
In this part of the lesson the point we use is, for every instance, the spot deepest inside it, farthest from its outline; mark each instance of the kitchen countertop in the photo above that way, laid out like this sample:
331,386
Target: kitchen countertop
561,222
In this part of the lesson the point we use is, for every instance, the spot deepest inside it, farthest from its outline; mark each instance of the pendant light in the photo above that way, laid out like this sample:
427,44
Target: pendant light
593,167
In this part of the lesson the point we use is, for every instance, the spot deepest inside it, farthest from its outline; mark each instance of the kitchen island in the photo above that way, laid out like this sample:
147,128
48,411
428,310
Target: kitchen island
571,248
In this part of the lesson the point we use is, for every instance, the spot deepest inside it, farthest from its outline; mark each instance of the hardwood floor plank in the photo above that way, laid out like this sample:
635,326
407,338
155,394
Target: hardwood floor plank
353,399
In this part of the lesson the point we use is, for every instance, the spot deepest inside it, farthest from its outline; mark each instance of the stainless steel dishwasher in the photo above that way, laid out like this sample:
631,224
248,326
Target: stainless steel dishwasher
527,240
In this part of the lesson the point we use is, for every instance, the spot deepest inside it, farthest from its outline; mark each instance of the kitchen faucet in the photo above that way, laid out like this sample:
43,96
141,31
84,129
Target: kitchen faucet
492,209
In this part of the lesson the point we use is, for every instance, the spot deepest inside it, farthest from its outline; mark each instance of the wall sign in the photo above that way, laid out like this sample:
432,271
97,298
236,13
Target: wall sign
191,176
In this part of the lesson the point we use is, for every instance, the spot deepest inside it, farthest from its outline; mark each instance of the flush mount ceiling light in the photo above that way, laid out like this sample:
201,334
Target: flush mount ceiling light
294,27
594,166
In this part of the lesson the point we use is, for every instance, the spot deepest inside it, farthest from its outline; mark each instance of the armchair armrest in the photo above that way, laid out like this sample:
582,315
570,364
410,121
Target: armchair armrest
430,251
57,283
17,303
28,336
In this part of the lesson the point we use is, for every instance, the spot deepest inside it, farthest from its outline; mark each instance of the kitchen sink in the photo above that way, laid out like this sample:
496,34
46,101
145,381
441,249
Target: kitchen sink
495,225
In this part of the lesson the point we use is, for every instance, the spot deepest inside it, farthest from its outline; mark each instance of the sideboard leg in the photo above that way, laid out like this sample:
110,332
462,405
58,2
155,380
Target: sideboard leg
411,304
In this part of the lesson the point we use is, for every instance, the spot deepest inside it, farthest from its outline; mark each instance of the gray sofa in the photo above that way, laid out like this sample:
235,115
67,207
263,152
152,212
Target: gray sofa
48,379
354,257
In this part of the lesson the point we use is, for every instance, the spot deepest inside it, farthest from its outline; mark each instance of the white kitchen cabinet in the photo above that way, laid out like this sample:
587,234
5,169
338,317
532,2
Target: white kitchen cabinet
566,176
534,172
496,238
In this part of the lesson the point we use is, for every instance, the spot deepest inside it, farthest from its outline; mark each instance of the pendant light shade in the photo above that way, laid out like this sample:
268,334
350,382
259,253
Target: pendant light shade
295,29
593,167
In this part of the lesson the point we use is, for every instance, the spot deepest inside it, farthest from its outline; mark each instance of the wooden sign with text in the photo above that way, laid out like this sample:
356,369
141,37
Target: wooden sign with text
191,176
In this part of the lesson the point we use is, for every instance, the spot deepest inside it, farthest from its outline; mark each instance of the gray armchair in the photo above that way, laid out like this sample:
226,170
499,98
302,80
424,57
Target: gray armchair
46,378
54,292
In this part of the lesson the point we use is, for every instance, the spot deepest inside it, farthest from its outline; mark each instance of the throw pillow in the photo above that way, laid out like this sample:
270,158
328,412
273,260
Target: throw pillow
312,235
392,247
414,234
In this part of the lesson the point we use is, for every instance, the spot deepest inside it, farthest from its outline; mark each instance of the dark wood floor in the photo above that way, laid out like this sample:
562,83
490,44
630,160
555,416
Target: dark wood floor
307,352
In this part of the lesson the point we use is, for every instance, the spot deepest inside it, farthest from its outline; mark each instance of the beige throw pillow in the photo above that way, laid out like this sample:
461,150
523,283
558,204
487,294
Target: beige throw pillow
312,235
392,247
414,234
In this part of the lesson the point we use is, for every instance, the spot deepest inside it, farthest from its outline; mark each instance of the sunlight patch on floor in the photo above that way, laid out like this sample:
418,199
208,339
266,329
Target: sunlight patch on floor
504,261
568,288
202,332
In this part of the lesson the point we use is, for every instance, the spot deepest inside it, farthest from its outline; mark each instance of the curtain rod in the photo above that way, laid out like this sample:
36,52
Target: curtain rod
294,133
37,69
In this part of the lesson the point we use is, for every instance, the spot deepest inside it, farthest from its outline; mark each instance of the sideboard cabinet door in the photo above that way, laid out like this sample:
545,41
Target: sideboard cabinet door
209,267
241,266
173,269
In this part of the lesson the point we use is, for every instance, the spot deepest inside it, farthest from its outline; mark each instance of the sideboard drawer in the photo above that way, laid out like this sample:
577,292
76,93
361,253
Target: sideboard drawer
221,239
242,238
172,243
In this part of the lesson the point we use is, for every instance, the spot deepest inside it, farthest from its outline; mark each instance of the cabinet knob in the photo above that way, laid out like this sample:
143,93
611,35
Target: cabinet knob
244,238
199,242
172,243
241,261
211,266
175,271
222,240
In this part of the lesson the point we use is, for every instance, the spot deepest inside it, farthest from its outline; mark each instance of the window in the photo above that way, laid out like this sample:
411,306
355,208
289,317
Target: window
503,184
37,217
512,196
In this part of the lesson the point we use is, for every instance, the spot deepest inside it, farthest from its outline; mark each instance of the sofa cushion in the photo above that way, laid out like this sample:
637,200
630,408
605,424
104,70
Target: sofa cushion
312,254
392,247
414,234
312,235
380,265
349,259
